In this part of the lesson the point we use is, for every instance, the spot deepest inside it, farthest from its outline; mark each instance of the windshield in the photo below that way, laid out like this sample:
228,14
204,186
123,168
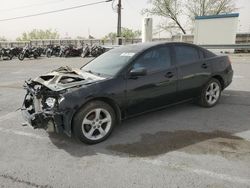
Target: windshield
109,63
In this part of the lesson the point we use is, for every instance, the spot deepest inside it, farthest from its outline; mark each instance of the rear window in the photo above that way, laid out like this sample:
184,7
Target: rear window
208,54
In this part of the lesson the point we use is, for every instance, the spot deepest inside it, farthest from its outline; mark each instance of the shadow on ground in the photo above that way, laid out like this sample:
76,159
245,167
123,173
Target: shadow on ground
187,128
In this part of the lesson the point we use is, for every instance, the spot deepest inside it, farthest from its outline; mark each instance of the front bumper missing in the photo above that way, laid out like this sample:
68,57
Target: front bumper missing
37,115
41,120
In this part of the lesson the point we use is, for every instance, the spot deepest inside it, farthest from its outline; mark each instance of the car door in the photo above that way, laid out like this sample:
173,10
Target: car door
193,72
158,87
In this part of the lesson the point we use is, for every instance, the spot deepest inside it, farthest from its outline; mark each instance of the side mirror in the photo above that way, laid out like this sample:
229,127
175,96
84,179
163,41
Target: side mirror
138,72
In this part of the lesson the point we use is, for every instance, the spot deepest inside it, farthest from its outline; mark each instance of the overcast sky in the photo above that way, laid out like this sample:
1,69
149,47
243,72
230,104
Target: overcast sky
98,19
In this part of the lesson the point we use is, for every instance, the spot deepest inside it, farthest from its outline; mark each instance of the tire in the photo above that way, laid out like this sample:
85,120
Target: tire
85,54
48,54
67,54
11,56
210,94
35,55
89,127
21,57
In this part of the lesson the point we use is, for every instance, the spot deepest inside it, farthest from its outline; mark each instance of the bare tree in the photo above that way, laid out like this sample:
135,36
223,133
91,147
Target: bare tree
209,7
175,9
171,9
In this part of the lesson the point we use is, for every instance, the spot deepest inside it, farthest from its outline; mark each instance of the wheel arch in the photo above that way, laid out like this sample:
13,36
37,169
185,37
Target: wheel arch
107,100
221,80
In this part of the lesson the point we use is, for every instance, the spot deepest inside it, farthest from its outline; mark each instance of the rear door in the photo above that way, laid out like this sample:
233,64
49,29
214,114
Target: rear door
158,87
193,72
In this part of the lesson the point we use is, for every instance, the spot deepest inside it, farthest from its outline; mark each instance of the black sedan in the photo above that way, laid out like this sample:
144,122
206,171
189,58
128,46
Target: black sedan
121,83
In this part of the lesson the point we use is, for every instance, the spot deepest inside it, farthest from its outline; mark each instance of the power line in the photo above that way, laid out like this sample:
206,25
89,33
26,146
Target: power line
54,11
32,5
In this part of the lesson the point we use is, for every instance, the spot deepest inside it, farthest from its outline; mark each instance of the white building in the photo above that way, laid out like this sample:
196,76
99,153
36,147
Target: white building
216,29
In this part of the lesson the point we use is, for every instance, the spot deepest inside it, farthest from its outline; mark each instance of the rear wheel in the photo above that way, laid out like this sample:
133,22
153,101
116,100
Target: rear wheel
211,93
49,54
94,122
35,55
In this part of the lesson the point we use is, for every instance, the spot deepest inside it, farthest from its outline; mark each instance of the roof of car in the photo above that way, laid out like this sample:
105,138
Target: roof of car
135,48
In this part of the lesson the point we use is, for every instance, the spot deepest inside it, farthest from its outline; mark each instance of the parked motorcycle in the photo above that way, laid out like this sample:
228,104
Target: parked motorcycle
53,51
86,51
62,51
6,53
73,52
28,53
40,51
97,50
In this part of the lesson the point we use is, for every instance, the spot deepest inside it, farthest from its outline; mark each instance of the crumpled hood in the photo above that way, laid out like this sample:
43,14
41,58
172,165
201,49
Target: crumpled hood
66,77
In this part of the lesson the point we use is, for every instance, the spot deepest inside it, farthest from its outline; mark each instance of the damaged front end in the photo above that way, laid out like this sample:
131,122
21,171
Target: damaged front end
45,105
40,107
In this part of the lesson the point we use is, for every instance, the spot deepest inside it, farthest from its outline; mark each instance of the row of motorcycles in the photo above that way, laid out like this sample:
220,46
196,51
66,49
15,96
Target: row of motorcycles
71,51
51,50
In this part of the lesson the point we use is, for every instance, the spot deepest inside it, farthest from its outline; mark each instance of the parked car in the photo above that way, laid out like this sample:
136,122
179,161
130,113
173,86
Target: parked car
124,82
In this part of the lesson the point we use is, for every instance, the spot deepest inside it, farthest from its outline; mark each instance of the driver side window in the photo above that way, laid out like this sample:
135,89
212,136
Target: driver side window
155,59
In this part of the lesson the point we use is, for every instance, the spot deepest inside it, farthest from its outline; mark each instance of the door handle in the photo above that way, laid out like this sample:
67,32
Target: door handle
204,66
169,75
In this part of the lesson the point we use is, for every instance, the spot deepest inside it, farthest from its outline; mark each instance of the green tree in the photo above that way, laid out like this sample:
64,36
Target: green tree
3,39
110,36
36,34
130,34
126,33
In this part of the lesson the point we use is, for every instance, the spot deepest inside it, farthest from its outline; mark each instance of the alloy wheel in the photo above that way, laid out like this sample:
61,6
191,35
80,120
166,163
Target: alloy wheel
96,124
212,93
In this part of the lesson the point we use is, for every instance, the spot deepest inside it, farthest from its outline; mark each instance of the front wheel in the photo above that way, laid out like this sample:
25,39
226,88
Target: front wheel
21,56
211,93
11,56
94,122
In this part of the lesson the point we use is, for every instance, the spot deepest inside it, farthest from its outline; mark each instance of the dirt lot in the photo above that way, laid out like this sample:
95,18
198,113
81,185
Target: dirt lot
181,146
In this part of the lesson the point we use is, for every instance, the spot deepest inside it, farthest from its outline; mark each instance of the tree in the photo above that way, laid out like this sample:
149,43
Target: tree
170,9
39,34
173,10
126,33
3,39
110,36
130,34
209,7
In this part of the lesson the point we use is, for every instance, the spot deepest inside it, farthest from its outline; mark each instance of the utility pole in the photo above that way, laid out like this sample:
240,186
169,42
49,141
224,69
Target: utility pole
119,23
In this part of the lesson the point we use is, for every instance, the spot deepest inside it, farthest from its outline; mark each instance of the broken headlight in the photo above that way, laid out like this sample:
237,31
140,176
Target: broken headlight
50,102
